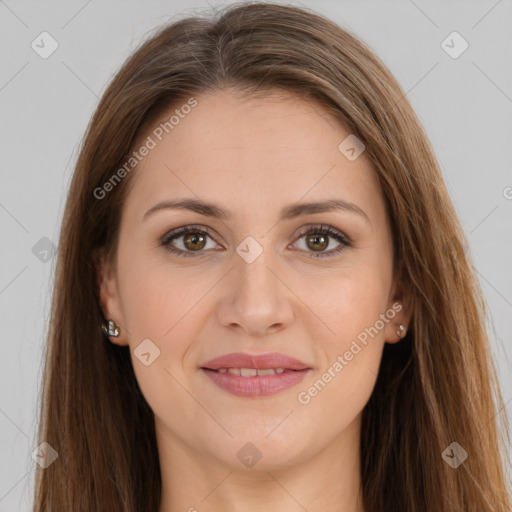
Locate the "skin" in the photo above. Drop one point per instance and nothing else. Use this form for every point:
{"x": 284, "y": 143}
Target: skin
{"x": 252, "y": 157}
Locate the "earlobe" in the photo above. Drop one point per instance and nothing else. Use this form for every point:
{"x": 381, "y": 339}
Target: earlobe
{"x": 109, "y": 299}
{"x": 399, "y": 325}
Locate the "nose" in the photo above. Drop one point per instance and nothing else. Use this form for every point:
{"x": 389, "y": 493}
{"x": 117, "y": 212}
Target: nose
{"x": 256, "y": 300}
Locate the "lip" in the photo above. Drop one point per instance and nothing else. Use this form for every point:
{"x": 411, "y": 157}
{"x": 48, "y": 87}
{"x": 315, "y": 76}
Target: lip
{"x": 258, "y": 361}
{"x": 260, "y": 385}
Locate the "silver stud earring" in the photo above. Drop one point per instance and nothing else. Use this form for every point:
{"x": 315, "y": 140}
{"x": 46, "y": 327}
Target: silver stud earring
{"x": 402, "y": 331}
{"x": 112, "y": 330}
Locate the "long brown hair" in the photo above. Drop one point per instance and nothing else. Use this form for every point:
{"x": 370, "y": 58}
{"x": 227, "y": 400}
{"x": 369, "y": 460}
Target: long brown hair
{"x": 435, "y": 387}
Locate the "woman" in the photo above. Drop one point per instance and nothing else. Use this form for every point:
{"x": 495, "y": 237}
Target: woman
{"x": 262, "y": 298}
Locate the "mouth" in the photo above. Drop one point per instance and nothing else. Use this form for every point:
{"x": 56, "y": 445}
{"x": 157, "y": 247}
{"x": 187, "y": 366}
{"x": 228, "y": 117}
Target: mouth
{"x": 253, "y": 375}
{"x": 250, "y": 372}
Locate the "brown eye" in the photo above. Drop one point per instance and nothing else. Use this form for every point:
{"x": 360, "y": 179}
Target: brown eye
{"x": 194, "y": 242}
{"x": 317, "y": 242}
{"x": 188, "y": 241}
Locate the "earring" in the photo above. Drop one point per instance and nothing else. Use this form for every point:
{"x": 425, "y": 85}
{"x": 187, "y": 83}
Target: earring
{"x": 112, "y": 330}
{"x": 401, "y": 332}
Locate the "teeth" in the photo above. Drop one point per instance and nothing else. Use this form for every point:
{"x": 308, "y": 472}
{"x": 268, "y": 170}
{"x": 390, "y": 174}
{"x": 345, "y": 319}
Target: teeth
{"x": 251, "y": 372}
{"x": 270, "y": 371}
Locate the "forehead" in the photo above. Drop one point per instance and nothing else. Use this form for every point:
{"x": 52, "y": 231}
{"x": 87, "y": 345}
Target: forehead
{"x": 254, "y": 152}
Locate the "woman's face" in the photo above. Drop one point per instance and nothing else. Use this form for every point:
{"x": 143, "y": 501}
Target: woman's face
{"x": 257, "y": 275}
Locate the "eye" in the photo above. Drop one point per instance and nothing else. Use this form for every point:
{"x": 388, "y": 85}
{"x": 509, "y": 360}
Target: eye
{"x": 317, "y": 238}
{"x": 194, "y": 240}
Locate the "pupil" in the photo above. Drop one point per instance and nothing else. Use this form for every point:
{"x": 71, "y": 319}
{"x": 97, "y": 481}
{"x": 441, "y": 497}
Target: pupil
{"x": 315, "y": 238}
{"x": 193, "y": 239}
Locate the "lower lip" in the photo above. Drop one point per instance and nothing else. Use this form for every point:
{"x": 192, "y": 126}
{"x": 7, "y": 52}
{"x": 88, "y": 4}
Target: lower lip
{"x": 256, "y": 386}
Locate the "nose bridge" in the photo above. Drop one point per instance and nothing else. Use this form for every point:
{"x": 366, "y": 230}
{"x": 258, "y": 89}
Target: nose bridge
{"x": 254, "y": 279}
{"x": 257, "y": 298}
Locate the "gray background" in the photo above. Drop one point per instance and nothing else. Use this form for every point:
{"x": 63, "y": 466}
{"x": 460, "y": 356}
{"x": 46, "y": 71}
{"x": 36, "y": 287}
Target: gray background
{"x": 465, "y": 105}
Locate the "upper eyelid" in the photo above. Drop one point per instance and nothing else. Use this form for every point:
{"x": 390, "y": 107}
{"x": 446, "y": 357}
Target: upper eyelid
{"x": 182, "y": 230}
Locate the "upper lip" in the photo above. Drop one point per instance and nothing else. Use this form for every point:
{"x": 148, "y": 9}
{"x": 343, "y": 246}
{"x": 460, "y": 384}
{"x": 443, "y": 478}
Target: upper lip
{"x": 257, "y": 361}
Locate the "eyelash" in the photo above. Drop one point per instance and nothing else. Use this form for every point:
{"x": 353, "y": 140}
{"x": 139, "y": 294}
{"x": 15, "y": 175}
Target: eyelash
{"x": 310, "y": 230}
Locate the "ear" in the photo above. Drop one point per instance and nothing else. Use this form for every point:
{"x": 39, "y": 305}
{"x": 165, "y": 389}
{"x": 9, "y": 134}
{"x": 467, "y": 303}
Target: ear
{"x": 110, "y": 302}
{"x": 401, "y": 304}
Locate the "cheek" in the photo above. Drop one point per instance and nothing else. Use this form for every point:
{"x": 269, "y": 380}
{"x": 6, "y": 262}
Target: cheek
{"x": 342, "y": 385}
{"x": 353, "y": 304}
{"x": 352, "y": 300}
{"x": 157, "y": 297}
{"x": 166, "y": 305}
{"x": 163, "y": 307}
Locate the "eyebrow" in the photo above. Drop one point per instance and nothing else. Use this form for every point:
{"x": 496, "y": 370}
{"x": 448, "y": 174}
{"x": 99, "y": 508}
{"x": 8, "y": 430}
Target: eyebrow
{"x": 289, "y": 212}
